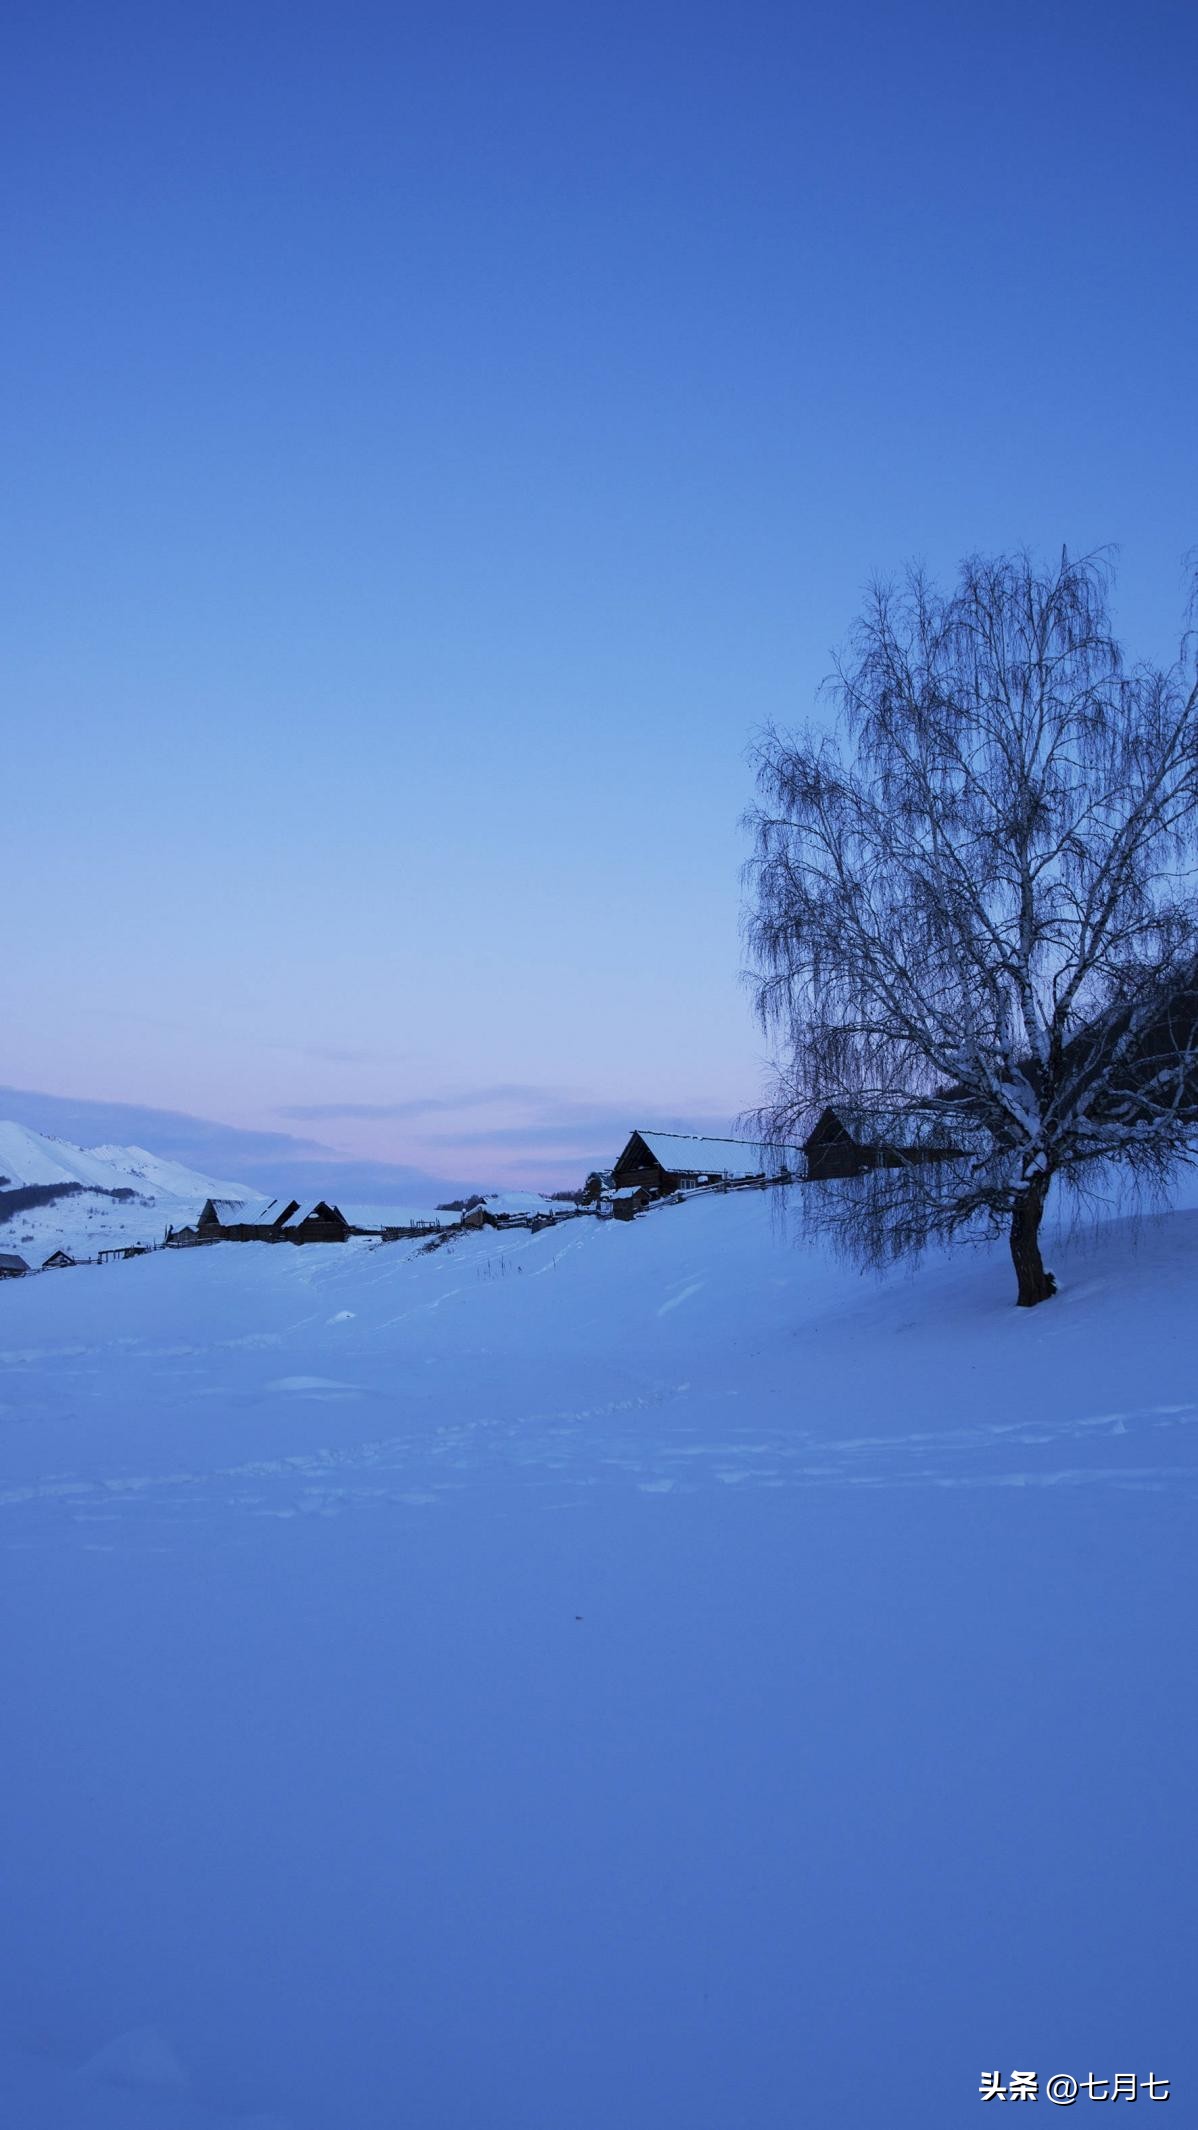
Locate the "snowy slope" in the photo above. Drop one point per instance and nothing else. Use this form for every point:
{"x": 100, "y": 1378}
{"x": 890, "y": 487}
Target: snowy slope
{"x": 165, "y": 1194}
{"x": 166, "y": 1178}
{"x": 27, "y": 1156}
{"x": 637, "y": 1674}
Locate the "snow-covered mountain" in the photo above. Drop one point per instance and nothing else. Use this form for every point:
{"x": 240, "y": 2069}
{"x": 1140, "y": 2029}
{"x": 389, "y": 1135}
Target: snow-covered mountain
{"x": 93, "y": 1198}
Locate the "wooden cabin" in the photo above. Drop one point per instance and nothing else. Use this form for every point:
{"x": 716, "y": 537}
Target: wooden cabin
{"x": 12, "y": 1266}
{"x": 1158, "y": 1062}
{"x": 478, "y": 1217}
{"x": 661, "y": 1162}
{"x": 321, "y": 1222}
{"x": 228, "y": 1220}
{"x": 218, "y": 1213}
{"x": 626, "y": 1204}
{"x": 56, "y": 1259}
{"x": 279, "y": 1221}
{"x": 850, "y": 1141}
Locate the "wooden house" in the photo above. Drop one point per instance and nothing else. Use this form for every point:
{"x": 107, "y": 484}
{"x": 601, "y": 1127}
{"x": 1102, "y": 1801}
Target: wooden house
{"x": 279, "y": 1221}
{"x": 1136, "y": 1074}
{"x": 661, "y": 1162}
{"x": 217, "y": 1214}
{"x": 12, "y": 1266}
{"x": 1126, "y": 1066}
{"x": 321, "y": 1222}
{"x": 848, "y": 1140}
{"x": 478, "y": 1217}
{"x": 225, "y": 1220}
{"x": 56, "y": 1259}
{"x": 626, "y": 1204}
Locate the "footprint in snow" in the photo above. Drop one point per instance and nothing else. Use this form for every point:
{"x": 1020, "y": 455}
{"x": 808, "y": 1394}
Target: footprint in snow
{"x": 683, "y": 1297}
{"x": 315, "y": 1386}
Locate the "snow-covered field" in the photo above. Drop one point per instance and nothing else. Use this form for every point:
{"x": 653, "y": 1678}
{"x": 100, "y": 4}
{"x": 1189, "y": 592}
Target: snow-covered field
{"x": 638, "y": 1677}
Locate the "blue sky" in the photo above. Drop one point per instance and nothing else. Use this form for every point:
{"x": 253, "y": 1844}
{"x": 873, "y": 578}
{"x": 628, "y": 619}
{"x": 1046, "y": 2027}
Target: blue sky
{"x": 435, "y": 441}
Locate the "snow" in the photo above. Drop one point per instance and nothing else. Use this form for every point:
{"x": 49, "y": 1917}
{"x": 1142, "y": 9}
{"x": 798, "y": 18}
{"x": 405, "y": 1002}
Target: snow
{"x": 248, "y": 1212}
{"x": 523, "y": 1202}
{"x": 635, "y": 1674}
{"x": 29, "y": 1157}
{"x": 170, "y": 1179}
{"x": 683, "y": 1153}
{"x": 877, "y": 1124}
{"x": 373, "y": 1216}
{"x": 166, "y": 1194}
{"x": 33, "y": 1157}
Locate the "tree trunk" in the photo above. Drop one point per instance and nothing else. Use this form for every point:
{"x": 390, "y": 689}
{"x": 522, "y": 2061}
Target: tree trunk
{"x": 1035, "y": 1284}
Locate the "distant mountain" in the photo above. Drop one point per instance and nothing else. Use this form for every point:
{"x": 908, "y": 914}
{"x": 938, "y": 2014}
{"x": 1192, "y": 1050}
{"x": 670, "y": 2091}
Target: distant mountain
{"x": 27, "y": 1156}
{"x": 54, "y": 1195}
{"x": 266, "y": 1162}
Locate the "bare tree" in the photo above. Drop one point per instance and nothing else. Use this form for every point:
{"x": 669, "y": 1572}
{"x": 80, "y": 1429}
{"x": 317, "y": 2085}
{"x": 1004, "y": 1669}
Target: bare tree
{"x": 975, "y": 906}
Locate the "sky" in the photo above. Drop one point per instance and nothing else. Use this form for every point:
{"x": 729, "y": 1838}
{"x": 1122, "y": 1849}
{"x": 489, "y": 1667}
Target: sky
{"x": 436, "y": 442}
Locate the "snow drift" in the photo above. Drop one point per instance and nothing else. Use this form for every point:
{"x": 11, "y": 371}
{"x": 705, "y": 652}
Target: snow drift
{"x": 633, "y": 1674}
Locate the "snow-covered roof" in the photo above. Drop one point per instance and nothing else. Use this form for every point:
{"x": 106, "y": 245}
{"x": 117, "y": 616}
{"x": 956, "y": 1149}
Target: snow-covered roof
{"x": 360, "y": 1216}
{"x": 517, "y": 1202}
{"x": 246, "y": 1212}
{"x": 685, "y": 1154}
{"x": 880, "y": 1126}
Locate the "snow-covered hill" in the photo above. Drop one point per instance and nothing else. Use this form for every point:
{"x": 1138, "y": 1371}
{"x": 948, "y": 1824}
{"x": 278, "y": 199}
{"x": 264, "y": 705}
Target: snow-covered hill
{"x": 86, "y": 1216}
{"x": 155, "y": 1193}
{"x": 634, "y": 1674}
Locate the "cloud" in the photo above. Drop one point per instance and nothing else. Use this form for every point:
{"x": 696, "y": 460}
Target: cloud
{"x": 329, "y": 1054}
{"x": 561, "y": 1137}
{"x": 577, "y": 1124}
{"x": 414, "y": 1106}
{"x": 566, "y": 1136}
{"x": 195, "y": 1140}
{"x": 590, "y": 1131}
{"x": 269, "y": 1161}
{"x": 358, "y": 1182}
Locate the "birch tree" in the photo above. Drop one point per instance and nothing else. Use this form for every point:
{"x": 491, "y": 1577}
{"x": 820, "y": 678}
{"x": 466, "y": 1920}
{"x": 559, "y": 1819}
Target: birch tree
{"x": 974, "y": 903}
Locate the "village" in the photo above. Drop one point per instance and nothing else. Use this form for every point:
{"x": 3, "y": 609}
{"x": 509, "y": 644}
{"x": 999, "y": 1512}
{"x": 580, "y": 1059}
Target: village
{"x": 654, "y": 1169}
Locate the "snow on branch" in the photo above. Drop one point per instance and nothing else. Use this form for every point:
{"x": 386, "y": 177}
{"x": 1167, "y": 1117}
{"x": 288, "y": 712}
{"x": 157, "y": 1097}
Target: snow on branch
{"x": 976, "y": 899}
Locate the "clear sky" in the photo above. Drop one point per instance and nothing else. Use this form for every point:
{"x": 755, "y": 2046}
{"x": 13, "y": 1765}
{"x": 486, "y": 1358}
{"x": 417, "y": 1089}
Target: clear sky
{"x": 435, "y": 440}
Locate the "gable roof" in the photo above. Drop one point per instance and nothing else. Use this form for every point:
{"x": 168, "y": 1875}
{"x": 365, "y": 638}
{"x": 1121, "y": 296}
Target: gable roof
{"x": 318, "y": 1209}
{"x": 687, "y": 1154}
{"x": 273, "y": 1213}
{"x": 864, "y": 1125}
{"x": 10, "y": 1262}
